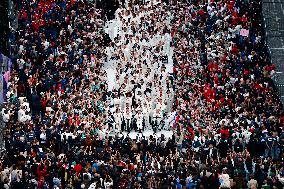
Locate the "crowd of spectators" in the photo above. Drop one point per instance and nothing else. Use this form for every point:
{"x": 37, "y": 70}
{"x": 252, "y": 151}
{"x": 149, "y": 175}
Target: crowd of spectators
{"x": 228, "y": 123}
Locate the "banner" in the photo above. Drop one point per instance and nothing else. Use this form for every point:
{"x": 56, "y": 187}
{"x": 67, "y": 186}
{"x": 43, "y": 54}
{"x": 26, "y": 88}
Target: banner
{"x": 5, "y": 70}
{"x": 244, "y": 32}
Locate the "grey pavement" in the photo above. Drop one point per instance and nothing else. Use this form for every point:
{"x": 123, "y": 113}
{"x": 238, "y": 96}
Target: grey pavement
{"x": 273, "y": 13}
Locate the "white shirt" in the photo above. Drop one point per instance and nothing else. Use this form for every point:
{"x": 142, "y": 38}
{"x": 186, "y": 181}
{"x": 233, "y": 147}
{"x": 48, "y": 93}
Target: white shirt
{"x": 42, "y": 136}
{"x": 6, "y": 118}
{"x": 21, "y": 113}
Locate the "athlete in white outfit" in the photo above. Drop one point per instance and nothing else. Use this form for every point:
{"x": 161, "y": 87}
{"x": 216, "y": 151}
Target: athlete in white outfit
{"x": 118, "y": 117}
{"x": 157, "y": 117}
{"x": 139, "y": 120}
{"x": 138, "y": 63}
{"x": 127, "y": 115}
{"x": 146, "y": 114}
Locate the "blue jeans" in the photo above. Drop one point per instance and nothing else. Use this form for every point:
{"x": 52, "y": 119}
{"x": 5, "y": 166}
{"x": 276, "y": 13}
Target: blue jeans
{"x": 179, "y": 147}
{"x": 273, "y": 152}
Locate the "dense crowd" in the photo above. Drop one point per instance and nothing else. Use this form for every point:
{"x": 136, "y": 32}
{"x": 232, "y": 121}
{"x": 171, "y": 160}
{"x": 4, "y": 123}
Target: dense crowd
{"x": 65, "y": 128}
{"x": 139, "y": 54}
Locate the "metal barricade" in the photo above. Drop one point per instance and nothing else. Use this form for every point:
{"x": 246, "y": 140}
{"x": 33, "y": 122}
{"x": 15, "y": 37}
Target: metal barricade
{"x": 273, "y": 22}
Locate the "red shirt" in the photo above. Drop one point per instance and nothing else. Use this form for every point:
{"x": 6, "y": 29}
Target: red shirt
{"x": 225, "y": 132}
{"x": 235, "y": 50}
{"x": 35, "y": 25}
{"x": 78, "y": 168}
{"x": 43, "y": 103}
{"x": 191, "y": 136}
{"x": 70, "y": 121}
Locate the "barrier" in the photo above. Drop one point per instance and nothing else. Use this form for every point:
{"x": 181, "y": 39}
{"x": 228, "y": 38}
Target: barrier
{"x": 273, "y": 22}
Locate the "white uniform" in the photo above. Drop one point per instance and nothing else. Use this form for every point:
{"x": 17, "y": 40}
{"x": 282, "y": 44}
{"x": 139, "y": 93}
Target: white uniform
{"x": 146, "y": 113}
{"x": 127, "y": 118}
{"x": 116, "y": 102}
{"x": 157, "y": 117}
{"x": 139, "y": 120}
{"x": 128, "y": 100}
{"x": 118, "y": 120}
{"x": 133, "y": 56}
{"x": 122, "y": 99}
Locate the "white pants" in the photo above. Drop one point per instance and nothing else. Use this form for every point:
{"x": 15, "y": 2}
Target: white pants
{"x": 157, "y": 120}
{"x": 147, "y": 120}
{"x": 139, "y": 124}
{"x": 118, "y": 125}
